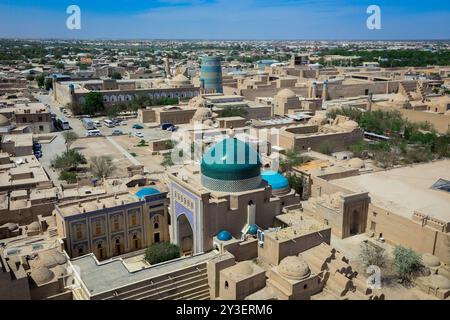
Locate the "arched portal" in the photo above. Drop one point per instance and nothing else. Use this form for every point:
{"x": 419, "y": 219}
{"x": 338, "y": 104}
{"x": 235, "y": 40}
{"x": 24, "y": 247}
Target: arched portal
{"x": 185, "y": 235}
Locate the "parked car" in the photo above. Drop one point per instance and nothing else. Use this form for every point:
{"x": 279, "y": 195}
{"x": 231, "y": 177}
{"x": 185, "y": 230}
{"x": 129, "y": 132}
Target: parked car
{"x": 93, "y": 133}
{"x": 123, "y": 123}
{"x": 117, "y": 133}
{"x": 139, "y": 134}
{"x": 138, "y": 126}
{"x": 166, "y": 126}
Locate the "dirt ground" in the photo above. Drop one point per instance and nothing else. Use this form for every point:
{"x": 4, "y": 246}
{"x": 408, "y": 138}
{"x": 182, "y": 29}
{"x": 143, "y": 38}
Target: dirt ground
{"x": 143, "y": 154}
{"x": 98, "y": 146}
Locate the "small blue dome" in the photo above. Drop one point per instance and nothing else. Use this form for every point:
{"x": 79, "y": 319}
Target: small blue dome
{"x": 224, "y": 235}
{"x": 145, "y": 192}
{"x": 253, "y": 230}
{"x": 276, "y": 180}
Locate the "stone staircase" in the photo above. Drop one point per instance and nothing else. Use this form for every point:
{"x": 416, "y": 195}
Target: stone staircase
{"x": 188, "y": 284}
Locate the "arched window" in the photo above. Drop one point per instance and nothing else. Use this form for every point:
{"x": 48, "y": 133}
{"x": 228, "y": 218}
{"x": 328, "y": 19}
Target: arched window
{"x": 156, "y": 225}
{"x": 226, "y": 285}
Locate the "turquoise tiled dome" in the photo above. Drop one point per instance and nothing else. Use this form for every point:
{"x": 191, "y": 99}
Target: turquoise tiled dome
{"x": 224, "y": 235}
{"x": 276, "y": 180}
{"x": 253, "y": 229}
{"x": 231, "y": 159}
{"x": 145, "y": 192}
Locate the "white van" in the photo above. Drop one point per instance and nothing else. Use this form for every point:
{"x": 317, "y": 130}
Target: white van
{"x": 93, "y": 133}
{"x": 109, "y": 123}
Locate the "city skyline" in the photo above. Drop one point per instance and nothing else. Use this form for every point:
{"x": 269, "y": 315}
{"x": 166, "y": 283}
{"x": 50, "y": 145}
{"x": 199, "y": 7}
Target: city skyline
{"x": 224, "y": 19}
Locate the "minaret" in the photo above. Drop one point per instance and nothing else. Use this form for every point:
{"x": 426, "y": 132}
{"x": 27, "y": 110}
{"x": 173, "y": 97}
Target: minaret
{"x": 314, "y": 90}
{"x": 325, "y": 91}
{"x": 167, "y": 68}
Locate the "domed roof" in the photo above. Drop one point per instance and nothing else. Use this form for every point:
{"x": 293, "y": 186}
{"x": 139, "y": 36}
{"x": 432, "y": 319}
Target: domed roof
{"x": 439, "y": 281}
{"x": 181, "y": 78}
{"x": 224, "y": 235}
{"x": 286, "y": 93}
{"x": 253, "y": 230}
{"x": 294, "y": 267}
{"x": 276, "y": 180}
{"x": 145, "y": 192}
{"x": 4, "y": 121}
{"x": 244, "y": 268}
{"x": 42, "y": 275}
{"x": 356, "y": 163}
{"x": 49, "y": 259}
{"x": 231, "y": 159}
{"x": 430, "y": 261}
{"x": 11, "y": 226}
{"x": 202, "y": 114}
{"x": 60, "y": 271}
{"x": 34, "y": 226}
{"x": 350, "y": 125}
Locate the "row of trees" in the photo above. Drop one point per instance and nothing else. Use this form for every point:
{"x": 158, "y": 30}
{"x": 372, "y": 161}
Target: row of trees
{"x": 94, "y": 105}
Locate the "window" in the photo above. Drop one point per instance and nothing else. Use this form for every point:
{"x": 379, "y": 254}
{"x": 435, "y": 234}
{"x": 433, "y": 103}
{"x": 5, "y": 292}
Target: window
{"x": 79, "y": 232}
{"x": 373, "y": 226}
{"x": 98, "y": 228}
{"x": 80, "y": 251}
{"x": 226, "y": 285}
{"x": 374, "y": 214}
{"x": 24, "y": 119}
{"x": 41, "y": 128}
{"x": 133, "y": 219}
{"x": 156, "y": 238}
{"x": 116, "y": 223}
{"x": 40, "y": 119}
{"x": 156, "y": 226}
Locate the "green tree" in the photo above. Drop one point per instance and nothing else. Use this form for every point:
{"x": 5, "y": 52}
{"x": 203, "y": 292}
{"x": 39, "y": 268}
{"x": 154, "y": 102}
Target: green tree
{"x": 93, "y": 103}
{"x": 70, "y": 159}
{"x": 116, "y": 76}
{"x": 102, "y": 166}
{"x": 69, "y": 177}
{"x": 291, "y": 159}
{"x": 296, "y": 183}
{"x": 167, "y": 160}
{"x": 161, "y": 252}
{"x": 407, "y": 263}
{"x": 40, "y": 79}
{"x": 48, "y": 84}
{"x": 372, "y": 255}
{"x": 113, "y": 112}
{"x": 69, "y": 138}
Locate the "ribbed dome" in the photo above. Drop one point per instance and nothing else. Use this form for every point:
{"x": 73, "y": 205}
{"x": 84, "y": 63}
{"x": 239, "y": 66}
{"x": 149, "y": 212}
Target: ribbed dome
{"x": 286, "y": 93}
{"x": 294, "y": 268}
{"x": 231, "y": 159}
{"x": 49, "y": 259}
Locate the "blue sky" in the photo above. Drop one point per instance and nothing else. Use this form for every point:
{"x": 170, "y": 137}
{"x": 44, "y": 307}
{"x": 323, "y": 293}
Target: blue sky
{"x": 226, "y": 19}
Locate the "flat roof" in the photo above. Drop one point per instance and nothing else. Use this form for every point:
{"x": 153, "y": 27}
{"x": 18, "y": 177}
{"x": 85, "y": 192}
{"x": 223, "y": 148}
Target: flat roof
{"x": 114, "y": 274}
{"x": 405, "y": 190}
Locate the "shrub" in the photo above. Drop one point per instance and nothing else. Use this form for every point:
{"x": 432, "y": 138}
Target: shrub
{"x": 161, "y": 252}
{"x": 407, "y": 262}
{"x": 372, "y": 255}
{"x": 69, "y": 177}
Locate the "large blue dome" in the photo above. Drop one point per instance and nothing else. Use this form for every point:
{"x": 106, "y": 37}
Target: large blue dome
{"x": 276, "y": 180}
{"x": 145, "y": 192}
{"x": 231, "y": 159}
